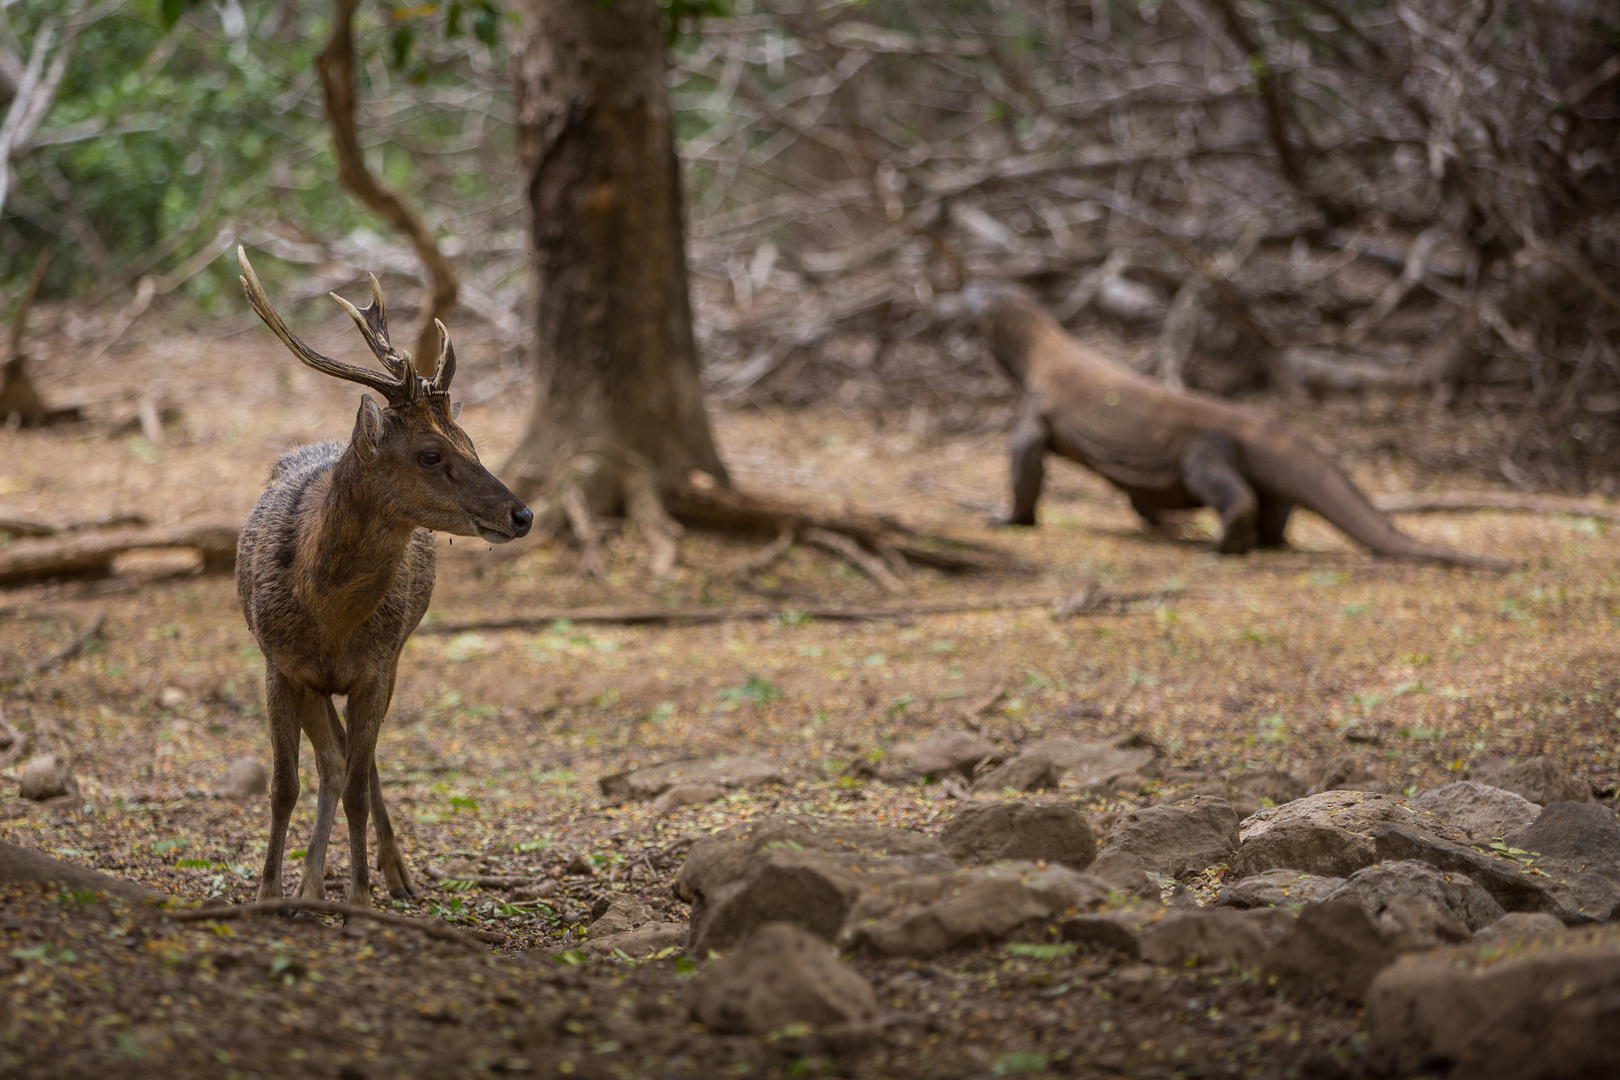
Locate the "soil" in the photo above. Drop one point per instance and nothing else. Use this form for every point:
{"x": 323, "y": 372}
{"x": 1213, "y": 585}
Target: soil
{"x": 497, "y": 738}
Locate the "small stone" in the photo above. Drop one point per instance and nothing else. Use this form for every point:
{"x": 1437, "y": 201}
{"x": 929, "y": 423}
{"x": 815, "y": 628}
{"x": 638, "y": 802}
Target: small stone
{"x": 1274, "y": 784}
{"x": 1203, "y": 935}
{"x": 538, "y": 891}
{"x": 1038, "y": 829}
{"x": 1349, "y": 772}
{"x": 1124, "y": 872}
{"x": 1243, "y": 803}
{"x": 687, "y": 795}
{"x": 782, "y": 975}
{"x": 1029, "y": 771}
{"x": 1458, "y": 908}
{"x": 1483, "y": 812}
{"x": 579, "y": 865}
{"x": 646, "y": 940}
{"x": 245, "y": 779}
{"x": 47, "y": 777}
{"x": 1538, "y": 780}
{"x": 730, "y": 773}
{"x": 623, "y": 914}
{"x": 1092, "y": 763}
{"x": 1177, "y": 839}
{"x": 1329, "y": 834}
{"x": 1518, "y": 926}
{"x": 172, "y": 697}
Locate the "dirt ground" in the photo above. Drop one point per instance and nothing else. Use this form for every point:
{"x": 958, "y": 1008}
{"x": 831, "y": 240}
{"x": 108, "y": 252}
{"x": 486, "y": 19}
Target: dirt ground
{"x": 497, "y": 738}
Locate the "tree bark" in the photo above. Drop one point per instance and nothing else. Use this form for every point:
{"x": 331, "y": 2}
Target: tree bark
{"x": 619, "y": 415}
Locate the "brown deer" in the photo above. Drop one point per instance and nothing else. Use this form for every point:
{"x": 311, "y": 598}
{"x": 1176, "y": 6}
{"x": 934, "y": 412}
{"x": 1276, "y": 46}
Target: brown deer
{"x": 334, "y": 569}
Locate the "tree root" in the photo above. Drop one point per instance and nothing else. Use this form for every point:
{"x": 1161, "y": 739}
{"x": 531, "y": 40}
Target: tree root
{"x": 326, "y": 907}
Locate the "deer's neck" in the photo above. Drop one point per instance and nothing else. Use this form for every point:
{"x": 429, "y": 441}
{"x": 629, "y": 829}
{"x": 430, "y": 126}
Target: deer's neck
{"x": 351, "y": 550}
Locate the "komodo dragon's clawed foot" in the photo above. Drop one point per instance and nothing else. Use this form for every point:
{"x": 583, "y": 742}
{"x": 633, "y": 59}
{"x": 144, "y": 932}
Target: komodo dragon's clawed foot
{"x": 1008, "y": 521}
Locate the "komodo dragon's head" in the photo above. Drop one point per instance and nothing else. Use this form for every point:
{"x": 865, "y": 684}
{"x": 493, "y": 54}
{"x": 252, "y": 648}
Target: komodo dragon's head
{"x": 1010, "y": 322}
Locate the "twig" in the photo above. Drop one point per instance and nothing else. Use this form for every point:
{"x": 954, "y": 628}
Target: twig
{"x": 326, "y": 907}
{"x": 1091, "y": 600}
{"x": 72, "y": 648}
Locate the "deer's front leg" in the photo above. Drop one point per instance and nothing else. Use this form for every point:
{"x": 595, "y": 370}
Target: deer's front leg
{"x": 281, "y": 705}
{"x": 366, "y": 708}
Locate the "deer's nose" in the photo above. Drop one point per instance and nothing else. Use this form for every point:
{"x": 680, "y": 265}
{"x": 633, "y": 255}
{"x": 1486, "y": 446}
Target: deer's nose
{"x": 522, "y": 518}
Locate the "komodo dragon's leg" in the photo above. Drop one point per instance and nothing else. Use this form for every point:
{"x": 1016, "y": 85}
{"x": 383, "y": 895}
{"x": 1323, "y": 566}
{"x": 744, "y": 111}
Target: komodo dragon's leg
{"x": 1149, "y": 513}
{"x": 1209, "y": 470}
{"x": 1027, "y": 449}
{"x": 1272, "y": 523}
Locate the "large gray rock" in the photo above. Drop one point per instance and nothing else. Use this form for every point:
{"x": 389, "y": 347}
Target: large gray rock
{"x": 1329, "y": 834}
{"x": 1037, "y": 829}
{"x": 1547, "y": 1009}
{"x": 1030, "y": 771}
{"x": 926, "y": 915}
{"x": 1538, "y": 780}
{"x": 1504, "y": 878}
{"x": 1577, "y": 845}
{"x": 1243, "y": 803}
{"x": 1519, "y": 926}
{"x": 1334, "y": 948}
{"x": 47, "y": 777}
{"x": 782, "y": 975}
{"x": 1483, "y": 812}
{"x": 1175, "y": 936}
{"x": 943, "y": 753}
{"x": 1277, "y": 888}
{"x": 1175, "y": 840}
{"x": 793, "y": 868}
{"x": 1462, "y": 905}
{"x": 641, "y": 785}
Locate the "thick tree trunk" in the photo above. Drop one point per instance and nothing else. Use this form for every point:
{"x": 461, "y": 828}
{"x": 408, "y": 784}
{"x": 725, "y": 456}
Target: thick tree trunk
{"x": 619, "y": 418}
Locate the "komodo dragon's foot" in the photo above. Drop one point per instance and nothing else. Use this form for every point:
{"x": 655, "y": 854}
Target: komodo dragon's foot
{"x": 1006, "y": 521}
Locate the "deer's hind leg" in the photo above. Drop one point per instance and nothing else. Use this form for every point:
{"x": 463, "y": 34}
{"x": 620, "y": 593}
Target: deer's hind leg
{"x": 319, "y": 721}
{"x": 390, "y": 859}
{"x": 282, "y": 700}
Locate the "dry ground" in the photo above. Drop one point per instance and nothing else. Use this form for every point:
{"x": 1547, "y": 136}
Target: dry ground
{"x": 496, "y": 739}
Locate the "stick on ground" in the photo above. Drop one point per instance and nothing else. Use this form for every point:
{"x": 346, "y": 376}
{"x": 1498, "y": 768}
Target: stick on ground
{"x": 326, "y": 907}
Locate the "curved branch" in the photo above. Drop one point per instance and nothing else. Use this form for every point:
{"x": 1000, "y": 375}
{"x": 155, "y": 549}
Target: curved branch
{"x": 336, "y": 67}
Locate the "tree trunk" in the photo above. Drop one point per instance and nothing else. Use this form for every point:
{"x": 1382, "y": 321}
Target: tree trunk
{"x": 619, "y": 417}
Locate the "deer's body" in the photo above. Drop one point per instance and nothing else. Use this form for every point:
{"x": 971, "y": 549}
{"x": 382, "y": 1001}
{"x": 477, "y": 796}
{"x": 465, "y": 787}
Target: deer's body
{"x": 335, "y": 569}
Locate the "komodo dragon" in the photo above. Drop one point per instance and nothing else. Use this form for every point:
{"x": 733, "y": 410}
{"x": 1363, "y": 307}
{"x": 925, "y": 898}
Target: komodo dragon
{"x": 1169, "y": 450}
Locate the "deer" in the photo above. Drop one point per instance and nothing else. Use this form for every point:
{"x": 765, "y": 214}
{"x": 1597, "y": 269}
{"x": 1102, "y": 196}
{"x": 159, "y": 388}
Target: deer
{"x": 334, "y": 570}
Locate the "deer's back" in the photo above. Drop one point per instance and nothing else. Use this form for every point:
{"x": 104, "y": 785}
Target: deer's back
{"x": 291, "y": 634}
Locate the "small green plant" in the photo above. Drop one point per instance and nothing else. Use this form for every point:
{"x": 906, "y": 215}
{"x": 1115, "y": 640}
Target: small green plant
{"x": 1046, "y": 950}
{"x": 755, "y": 689}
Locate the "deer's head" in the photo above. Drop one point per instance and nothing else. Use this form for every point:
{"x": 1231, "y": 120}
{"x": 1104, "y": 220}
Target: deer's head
{"x": 413, "y": 454}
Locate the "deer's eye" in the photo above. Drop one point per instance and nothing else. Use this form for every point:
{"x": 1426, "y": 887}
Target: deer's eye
{"x": 428, "y": 458}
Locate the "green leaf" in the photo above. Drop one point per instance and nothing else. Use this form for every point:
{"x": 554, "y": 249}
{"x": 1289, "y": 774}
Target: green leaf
{"x": 399, "y": 46}
{"x": 1040, "y": 951}
{"x": 170, "y": 11}
{"x": 487, "y": 24}
{"x": 452, "y": 20}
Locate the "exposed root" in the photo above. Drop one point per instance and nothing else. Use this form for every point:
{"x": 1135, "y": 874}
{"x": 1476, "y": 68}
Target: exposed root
{"x": 847, "y": 549}
{"x": 765, "y": 557}
{"x": 645, "y": 508}
{"x": 583, "y": 525}
{"x": 326, "y": 907}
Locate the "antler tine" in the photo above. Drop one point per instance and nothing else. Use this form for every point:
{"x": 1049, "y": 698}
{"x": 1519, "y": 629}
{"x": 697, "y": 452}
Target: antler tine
{"x": 445, "y": 369}
{"x": 372, "y": 322}
{"x": 397, "y": 392}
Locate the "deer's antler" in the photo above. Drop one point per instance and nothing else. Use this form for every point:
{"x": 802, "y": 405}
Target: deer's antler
{"x": 399, "y": 391}
{"x": 445, "y": 369}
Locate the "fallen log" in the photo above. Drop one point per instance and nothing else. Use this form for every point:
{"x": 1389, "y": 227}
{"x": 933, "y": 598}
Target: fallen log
{"x": 91, "y": 554}
{"x": 20, "y": 865}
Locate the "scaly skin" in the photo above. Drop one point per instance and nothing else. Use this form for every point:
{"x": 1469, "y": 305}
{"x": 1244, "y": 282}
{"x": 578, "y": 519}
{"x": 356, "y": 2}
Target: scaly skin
{"x": 1170, "y": 450}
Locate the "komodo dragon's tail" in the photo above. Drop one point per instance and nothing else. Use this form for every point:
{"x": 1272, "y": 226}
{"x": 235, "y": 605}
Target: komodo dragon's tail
{"x": 1290, "y": 466}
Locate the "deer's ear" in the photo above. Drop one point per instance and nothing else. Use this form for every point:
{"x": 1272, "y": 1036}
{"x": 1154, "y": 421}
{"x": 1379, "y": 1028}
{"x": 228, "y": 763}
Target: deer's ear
{"x": 368, "y": 427}
{"x": 455, "y": 410}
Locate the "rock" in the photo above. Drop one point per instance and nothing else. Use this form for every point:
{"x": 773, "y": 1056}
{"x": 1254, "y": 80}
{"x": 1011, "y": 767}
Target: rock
{"x": 782, "y": 975}
{"x": 1577, "y": 845}
{"x": 1038, "y": 829}
{"x": 1335, "y": 947}
{"x": 1463, "y": 906}
{"x": 1538, "y": 780}
{"x": 1125, "y": 873}
{"x": 1547, "y": 1009}
{"x": 245, "y": 779}
{"x": 1329, "y": 834}
{"x": 20, "y": 864}
{"x": 1176, "y": 839}
{"x": 1587, "y": 831}
{"x": 793, "y": 868}
{"x": 943, "y": 753}
{"x": 1277, "y": 888}
{"x": 686, "y": 795}
{"x": 646, "y": 940}
{"x": 1093, "y": 764}
{"x": 1518, "y": 926}
{"x": 1349, "y": 772}
{"x": 1243, "y": 803}
{"x": 1479, "y": 810}
{"x": 623, "y": 915}
{"x": 1203, "y": 935}
{"x": 47, "y": 777}
{"x": 927, "y": 915}
{"x": 1508, "y": 885}
{"x": 640, "y": 785}
{"x": 540, "y": 890}
{"x": 172, "y": 697}
{"x": 1273, "y": 784}
{"x": 1029, "y": 771}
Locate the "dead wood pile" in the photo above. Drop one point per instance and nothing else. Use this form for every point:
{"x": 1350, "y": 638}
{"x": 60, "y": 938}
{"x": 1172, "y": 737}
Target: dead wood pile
{"x": 1390, "y": 195}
